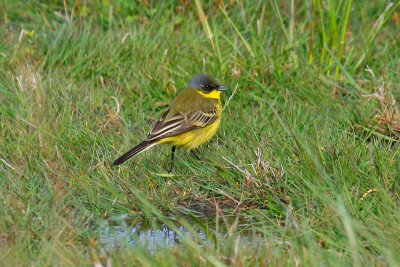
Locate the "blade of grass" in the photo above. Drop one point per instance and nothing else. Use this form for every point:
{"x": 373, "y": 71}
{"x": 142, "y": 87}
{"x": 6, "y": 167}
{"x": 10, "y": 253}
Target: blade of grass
{"x": 343, "y": 37}
{"x": 389, "y": 10}
{"x": 274, "y": 5}
{"x": 344, "y": 71}
{"x": 206, "y": 26}
{"x": 244, "y": 41}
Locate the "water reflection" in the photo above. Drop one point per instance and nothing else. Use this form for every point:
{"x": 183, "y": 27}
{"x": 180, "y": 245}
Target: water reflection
{"x": 126, "y": 233}
{"x": 113, "y": 237}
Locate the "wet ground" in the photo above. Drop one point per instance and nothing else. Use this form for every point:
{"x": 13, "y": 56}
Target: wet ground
{"x": 122, "y": 234}
{"x": 151, "y": 239}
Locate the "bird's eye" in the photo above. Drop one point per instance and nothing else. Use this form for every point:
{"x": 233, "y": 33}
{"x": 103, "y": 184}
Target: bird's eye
{"x": 207, "y": 86}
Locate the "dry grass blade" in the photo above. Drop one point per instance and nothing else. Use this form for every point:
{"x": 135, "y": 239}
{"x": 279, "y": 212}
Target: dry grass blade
{"x": 245, "y": 172}
{"x": 388, "y": 117}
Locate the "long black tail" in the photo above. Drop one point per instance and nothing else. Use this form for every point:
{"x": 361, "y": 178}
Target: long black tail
{"x": 134, "y": 151}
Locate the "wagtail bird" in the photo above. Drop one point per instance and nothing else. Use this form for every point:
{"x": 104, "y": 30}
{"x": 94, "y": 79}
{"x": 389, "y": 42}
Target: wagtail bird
{"x": 190, "y": 121}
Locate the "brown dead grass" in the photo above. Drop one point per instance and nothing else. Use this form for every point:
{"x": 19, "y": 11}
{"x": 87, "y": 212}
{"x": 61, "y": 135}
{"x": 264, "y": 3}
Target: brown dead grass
{"x": 387, "y": 119}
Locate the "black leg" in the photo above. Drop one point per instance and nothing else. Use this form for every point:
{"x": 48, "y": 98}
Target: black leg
{"x": 195, "y": 154}
{"x": 172, "y": 159}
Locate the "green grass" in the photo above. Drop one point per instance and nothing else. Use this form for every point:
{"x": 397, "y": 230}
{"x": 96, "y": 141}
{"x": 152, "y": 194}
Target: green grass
{"x": 305, "y": 165}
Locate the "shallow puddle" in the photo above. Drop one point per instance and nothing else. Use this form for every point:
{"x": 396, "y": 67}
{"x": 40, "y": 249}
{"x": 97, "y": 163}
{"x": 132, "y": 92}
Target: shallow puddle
{"x": 113, "y": 236}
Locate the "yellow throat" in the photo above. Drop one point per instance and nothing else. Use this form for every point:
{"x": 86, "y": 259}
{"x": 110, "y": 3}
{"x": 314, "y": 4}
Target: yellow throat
{"x": 213, "y": 94}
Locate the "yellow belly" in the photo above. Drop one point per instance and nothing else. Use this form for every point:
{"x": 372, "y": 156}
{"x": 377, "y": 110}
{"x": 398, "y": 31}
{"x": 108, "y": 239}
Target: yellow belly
{"x": 192, "y": 139}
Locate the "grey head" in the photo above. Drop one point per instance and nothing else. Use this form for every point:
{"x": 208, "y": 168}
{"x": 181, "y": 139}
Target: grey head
{"x": 206, "y": 83}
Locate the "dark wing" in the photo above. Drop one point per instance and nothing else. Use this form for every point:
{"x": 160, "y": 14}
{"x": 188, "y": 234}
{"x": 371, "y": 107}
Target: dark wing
{"x": 180, "y": 123}
{"x": 159, "y": 123}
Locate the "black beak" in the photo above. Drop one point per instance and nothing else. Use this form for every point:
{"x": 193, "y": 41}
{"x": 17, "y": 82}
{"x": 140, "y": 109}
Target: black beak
{"x": 222, "y": 87}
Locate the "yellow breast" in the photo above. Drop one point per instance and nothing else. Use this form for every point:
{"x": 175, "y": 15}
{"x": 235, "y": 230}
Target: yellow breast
{"x": 192, "y": 139}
